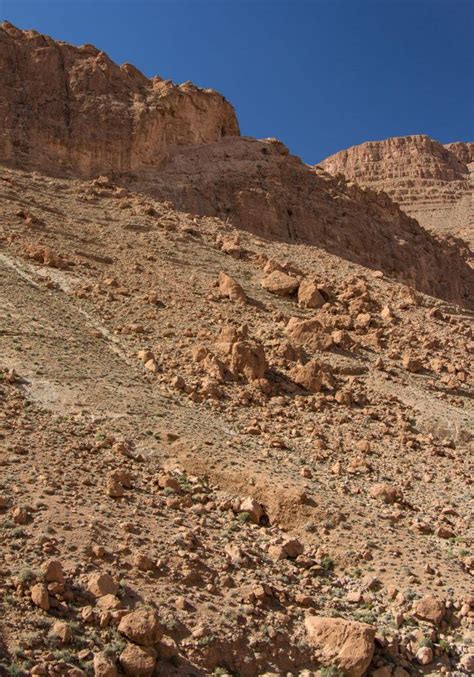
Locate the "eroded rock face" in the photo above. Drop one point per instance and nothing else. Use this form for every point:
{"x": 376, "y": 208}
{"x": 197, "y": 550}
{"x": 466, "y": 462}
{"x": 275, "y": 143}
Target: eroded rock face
{"x": 259, "y": 187}
{"x": 72, "y": 109}
{"x": 430, "y": 181}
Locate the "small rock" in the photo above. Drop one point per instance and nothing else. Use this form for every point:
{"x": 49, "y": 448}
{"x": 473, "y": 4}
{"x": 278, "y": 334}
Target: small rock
{"x": 467, "y": 663}
{"x": 386, "y": 493}
{"x": 293, "y": 548}
{"x": 254, "y": 509}
{"x": 411, "y": 363}
{"x": 63, "y": 631}
{"x": 53, "y": 571}
{"x": 424, "y": 655}
{"x": 230, "y": 288}
{"x": 309, "y": 295}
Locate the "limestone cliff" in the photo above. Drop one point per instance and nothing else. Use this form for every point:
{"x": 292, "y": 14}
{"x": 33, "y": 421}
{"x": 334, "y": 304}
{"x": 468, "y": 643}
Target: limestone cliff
{"x": 67, "y": 109}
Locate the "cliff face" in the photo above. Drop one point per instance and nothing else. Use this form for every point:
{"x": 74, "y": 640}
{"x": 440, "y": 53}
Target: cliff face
{"x": 430, "y": 181}
{"x": 68, "y": 109}
{"x": 259, "y": 187}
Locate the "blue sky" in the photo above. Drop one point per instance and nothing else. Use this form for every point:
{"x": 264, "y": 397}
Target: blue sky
{"x": 320, "y": 75}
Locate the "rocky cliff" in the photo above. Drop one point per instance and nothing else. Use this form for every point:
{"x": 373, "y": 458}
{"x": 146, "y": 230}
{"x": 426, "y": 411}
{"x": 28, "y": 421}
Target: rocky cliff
{"x": 430, "y": 181}
{"x": 71, "y": 109}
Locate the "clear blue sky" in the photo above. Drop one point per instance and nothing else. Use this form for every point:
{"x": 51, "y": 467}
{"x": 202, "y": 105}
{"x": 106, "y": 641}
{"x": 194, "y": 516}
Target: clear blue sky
{"x": 321, "y": 75}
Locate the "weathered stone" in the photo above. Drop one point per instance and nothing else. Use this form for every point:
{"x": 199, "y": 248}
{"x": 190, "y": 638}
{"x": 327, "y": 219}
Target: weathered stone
{"x": 309, "y": 296}
{"x": 40, "y": 596}
{"x": 280, "y": 283}
{"x": 430, "y": 608}
{"x": 102, "y": 584}
{"x": 104, "y": 665}
{"x": 348, "y": 645}
{"x": 230, "y": 288}
{"x": 142, "y": 627}
{"x": 138, "y": 661}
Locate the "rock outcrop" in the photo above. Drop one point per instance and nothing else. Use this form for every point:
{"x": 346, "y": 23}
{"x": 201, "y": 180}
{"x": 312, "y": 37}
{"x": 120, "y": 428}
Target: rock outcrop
{"x": 431, "y": 182}
{"x": 67, "y": 109}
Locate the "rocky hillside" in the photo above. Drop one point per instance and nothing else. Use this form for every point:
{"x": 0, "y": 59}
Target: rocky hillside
{"x": 222, "y": 454}
{"x": 71, "y": 109}
{"x": 235, "y": 433}
{"x": 431, "y": 182}
{"x": 259, "y": 186}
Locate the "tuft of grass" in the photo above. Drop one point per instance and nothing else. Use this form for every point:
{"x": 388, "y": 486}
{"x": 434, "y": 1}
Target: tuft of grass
{"x": 426, "y": 641}
{"x": 327, "y": 563}
{"x": 115, "y": 646}
{"x": 18, "y": 532}
{"x": 331, "y": 671}
{"x": 444, "y": 646}
{"x": 243, "y": 517}
{"x": 12, "y": 669}
{"x": 26, "y": 575}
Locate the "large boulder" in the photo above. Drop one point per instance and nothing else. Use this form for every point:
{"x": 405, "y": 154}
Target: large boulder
{"x": 348, "y": 645}
{"x": 142, "y": 627}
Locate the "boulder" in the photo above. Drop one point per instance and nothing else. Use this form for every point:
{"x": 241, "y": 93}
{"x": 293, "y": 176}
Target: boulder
{"x": 231, "y": 289}
{"x": 40, "y": 596}
{"x": 102, "y": 584}
{"x": 142, "y": 627}
{"x": 313, "y": 376}
{"x": 248, "y": 359}
{"x": 309, "y": 295}
{"x": 278, "y": 282}
{"x": 53, "y": 571}
{"x": 348, "y": 645}
{"x": 138, "y": 661}
{"x": 310, "y": 333}
{"x": 104, "y": 665}
{"x": 430, "y": 608}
